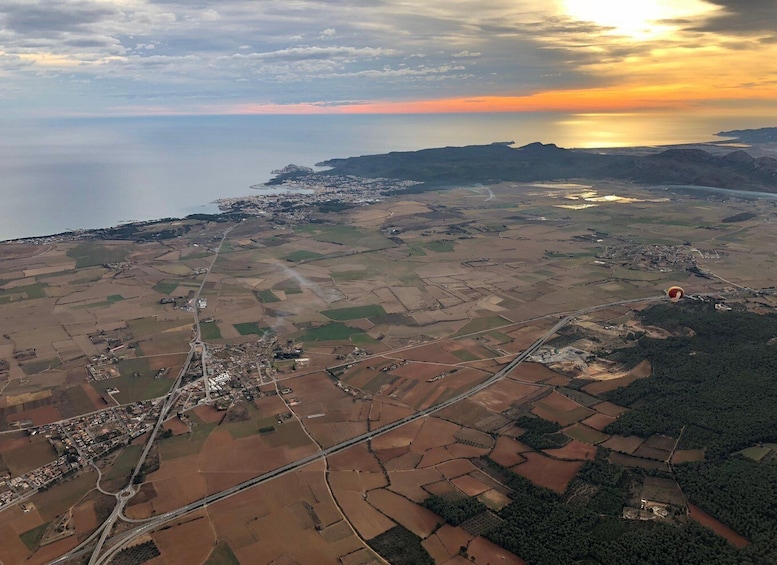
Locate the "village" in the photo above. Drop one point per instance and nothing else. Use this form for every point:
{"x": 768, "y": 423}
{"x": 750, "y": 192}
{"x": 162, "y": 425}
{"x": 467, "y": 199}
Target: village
{"x": 297, "y": 197}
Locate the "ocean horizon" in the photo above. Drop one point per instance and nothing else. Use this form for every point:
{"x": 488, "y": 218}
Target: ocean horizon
{"x": 86, "y": 173}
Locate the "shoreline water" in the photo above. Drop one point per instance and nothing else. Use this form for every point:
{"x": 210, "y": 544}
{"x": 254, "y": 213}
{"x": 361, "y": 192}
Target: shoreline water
{"x": 99, "y": 172}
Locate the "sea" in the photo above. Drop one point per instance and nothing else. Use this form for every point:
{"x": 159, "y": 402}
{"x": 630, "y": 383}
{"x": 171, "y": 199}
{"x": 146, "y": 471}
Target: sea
{"x": 58, "y": 175}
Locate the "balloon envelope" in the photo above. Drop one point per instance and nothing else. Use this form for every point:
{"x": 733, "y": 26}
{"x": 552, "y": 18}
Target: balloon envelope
{"x": 675, "y": 293}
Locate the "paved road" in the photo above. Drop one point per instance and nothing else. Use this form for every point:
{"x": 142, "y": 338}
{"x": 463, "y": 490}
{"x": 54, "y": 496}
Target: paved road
{"x": 169, "y": 400}
{"x": 119, "y": 541}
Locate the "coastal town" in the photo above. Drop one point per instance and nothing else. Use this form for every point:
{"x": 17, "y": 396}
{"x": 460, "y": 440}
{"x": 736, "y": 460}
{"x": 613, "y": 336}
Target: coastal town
{"x": 301, "y": 191}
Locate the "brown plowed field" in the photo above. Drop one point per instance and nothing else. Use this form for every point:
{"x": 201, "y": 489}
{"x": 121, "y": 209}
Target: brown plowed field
{"x": 39, "y": 416}
{"x": 507, "y": 451}
{"x": 560, "y": 409}
{"x": 461, "y": 451}
{"x": 434, "y": 433}
{"x": 176, "y": 426}
{"x": 469, "y": 485}
{"x": 436, "y": 549}
{"x": 453, "y": 538}
{"x": 405, "y": 462}
{"x": 356, "y": 481}
{"x": 575, "y": 450}
{"x": 433, "y": 457}
{"x": 547, "y": 472}
{"x": 357, "y": 457}
{"x": 51, "y": 551}
{"x": 84, "y": 519}
{"x": 470, "y": 413}
{"x": 333, "y": 433}
{"x": 367, "y": 521}
{"x": 456, "y": 468}
{"x": 386, "y": 455}
{"x": 399, "y": 437}
{"x": 503, "y": 394}
{"x": 482, "y": 552}
{"x": 389, "y": 412}
{"x": 433, "y": 353}
{"x": 688, "y": 455}
{"x": 609, "y": 408}
{"x": 216, "y": 482}
{"x": 420, "y": 371}
{"x": 208, "y": 414}
{"x": 418, "y": 520}
{"x": 191, "y": 542}
{"x": 409, "y": 483}
{"x": 532, "y": 372}
{"x": 12, "y": 550}
{"x": 440, "y": 488}
{"x": 623, "y": 444}
{"x": 598, "y": 421}
{"x": 717, "y": 526}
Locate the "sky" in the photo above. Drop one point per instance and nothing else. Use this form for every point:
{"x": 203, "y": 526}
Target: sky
{"x": 168, "y": 57}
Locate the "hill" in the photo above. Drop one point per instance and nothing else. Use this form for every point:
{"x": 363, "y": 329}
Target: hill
{"x": 440, "y": 167}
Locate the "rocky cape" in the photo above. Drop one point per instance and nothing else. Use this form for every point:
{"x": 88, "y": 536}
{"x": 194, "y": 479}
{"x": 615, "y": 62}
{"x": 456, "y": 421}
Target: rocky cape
{"x": 498, "y": 162}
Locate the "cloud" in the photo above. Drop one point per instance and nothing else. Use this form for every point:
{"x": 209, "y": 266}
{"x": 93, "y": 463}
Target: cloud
{"x": 327, "y": 52}
{"x": 742, "y": 17}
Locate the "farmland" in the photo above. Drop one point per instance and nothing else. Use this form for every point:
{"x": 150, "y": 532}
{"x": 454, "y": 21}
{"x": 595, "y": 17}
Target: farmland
{"x": 317, "y": 332}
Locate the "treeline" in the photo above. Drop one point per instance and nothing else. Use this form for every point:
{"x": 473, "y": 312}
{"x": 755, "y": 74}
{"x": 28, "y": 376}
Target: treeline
{"x": 540, "y": 433}
{"x": 741, "y": 493}
{"x": 717, "y": 381}
{"x": 400, "y": 546}
{"x": 454, "y": 511}
{"x": 542, "y": 529}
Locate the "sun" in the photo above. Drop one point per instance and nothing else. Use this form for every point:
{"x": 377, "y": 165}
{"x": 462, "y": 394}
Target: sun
{"x": 646, "y": 19}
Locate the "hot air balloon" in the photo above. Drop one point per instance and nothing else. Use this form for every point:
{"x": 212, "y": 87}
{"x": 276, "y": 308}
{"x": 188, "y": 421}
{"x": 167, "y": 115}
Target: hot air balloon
{"x": 675, "y": 293}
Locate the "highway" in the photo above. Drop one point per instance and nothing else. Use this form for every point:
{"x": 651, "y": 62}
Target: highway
{"x": 129, "y": 491}
{"x": 118, "y": 542}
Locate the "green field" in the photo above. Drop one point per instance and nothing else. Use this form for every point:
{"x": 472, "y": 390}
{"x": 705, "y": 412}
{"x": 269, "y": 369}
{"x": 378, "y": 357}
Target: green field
{"x": 333, "y": 331}
{"x": 89, "y": 254}
{"x": 165, "y": 286}
{"x": 40, "y": 365}
{"x": 30, "y": 291}
{"x": 247, "y": 328}
{"x": 756, "y": 453}
{"x": 465, "y": 355}
{"x": 302, "y": 255}
{"x": 31, "y": 538}
{"x": 266, "y": 296}
{"x": 482, "y": 324}
{"x": 23, "y": 459}
{"x": 585, "y": 434}
{"x": 354, "y": 312}
{"x": 346, "y": 236}
{"x": 81, "y": 402}
{"x": 128, "y": 367}
{"x": 363, "y": 339}
{"x": 210, "y": 330}
{"x": 133, "y": 389}
{"x": 222, "y": 555}
{"x": 356, "y": 275}
{"x": 440, "y": 246}
{"x": 125, "y": 462}
{"x": 187, "y": 444}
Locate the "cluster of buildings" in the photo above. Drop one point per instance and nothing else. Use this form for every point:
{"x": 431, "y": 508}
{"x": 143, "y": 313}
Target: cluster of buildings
{"x": 79, "y": 441}
{"x": 661, "y": 258}
{"x": 291, "y": 201}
